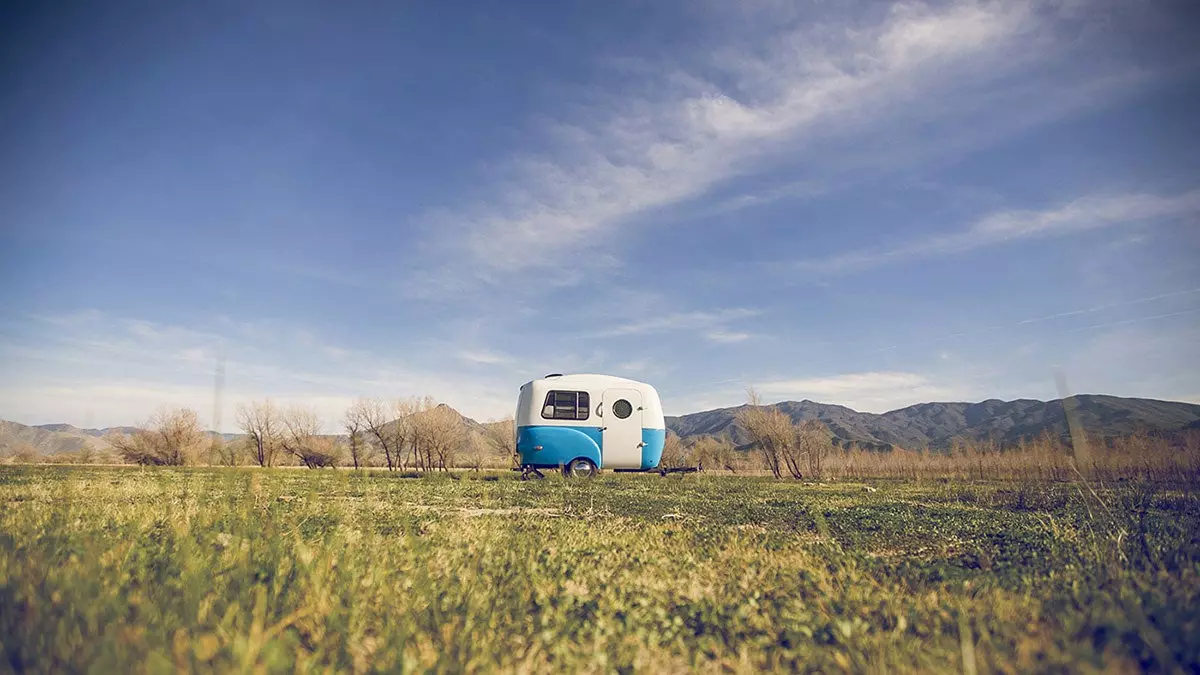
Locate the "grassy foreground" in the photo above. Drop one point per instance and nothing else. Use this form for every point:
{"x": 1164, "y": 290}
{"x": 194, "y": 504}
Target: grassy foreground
{"x": 159, "y": 570}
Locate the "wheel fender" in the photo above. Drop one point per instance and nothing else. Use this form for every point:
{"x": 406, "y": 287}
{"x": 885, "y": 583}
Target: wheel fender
{"x": 560, "y": 445}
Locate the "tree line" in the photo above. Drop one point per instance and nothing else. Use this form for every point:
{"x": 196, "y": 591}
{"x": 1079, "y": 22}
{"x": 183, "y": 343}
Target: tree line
{"x": 410, "y": 434}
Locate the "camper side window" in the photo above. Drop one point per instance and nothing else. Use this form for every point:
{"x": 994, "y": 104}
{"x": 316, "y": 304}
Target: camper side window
{"x": 566, "y": 405}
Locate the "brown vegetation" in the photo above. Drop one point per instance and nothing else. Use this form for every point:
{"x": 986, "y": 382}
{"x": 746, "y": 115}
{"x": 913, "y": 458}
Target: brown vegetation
{"x": 437, "y": 435}
{"x": 358, "y": 447}
{"x": 712, "y": 453}
{"x": 262, "y": 426}
{"x": 770, "y": 431}
{"x": 1048, "y": 458}
{"x": 169, "y": 438}
{"x": 223, "y": 454}
{"x": 302, "y": 439}
{"x": 675, "y": 454}
{"x": 378, "y": 423}
{"x": 801, "y": 449}
{"x": 502, "y": 437}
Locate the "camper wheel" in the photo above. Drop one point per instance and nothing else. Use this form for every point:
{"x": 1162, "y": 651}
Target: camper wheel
{"x": 580, "y": 467}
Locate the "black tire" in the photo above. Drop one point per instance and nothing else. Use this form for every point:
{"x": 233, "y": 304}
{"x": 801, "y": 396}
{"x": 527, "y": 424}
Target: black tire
{"x": 580, "y": 467}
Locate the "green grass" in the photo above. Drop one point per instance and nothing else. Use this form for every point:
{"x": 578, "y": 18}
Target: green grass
{"x": 155, "y": 570}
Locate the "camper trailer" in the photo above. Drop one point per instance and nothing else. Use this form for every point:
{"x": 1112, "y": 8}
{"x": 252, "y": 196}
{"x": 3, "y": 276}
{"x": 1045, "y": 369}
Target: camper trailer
{"x": 584, "y": 423}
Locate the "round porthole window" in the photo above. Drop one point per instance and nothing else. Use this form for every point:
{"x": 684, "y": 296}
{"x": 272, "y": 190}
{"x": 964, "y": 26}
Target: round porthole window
{"x": 622, "y": 409}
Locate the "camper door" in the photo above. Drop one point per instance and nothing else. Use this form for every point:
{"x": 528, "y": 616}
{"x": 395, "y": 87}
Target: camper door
{"x": 622, "y": 424}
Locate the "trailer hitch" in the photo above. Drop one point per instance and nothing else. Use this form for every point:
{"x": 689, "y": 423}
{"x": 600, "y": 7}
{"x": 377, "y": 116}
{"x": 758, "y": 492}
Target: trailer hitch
{"x": 529, "y": 471}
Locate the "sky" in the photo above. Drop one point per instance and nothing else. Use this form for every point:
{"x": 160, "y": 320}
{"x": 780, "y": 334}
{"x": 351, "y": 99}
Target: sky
{"x": 860, "y": 203}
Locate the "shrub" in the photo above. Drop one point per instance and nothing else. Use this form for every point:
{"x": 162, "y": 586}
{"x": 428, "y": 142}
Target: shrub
{"x": 675, "y": 454}
{"x": 169, "y": 438}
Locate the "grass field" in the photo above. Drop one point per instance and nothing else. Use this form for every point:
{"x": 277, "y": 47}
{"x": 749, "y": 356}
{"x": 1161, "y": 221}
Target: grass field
{"x": 159, "y": 570}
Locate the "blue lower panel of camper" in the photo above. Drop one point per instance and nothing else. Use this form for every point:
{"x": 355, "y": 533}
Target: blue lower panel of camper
{"x": 654, "y": 440}
{"x": 560, "y": 445}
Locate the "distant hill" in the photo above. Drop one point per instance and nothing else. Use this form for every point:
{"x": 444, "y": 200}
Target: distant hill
{"x": 76, "y": 431}
{"x": 936, "y": 425}
{"x": 467, "y": 422}
{"x": 45, "y": 441}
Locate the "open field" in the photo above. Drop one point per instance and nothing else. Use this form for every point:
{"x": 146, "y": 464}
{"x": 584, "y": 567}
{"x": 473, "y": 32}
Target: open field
{"x": 127, "y": 570}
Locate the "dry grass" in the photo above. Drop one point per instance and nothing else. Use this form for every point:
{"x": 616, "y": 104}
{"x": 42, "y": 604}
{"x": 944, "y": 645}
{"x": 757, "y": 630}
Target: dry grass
{"x": 275, "y": 571}
{"x": 1137, "y": 457}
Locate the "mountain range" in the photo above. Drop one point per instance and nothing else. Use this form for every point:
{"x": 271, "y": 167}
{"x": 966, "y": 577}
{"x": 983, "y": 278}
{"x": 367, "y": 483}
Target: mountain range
{"x": 937, "y": 425}
{"x": 50, "y": 439}
{"x": 925, "y": 425}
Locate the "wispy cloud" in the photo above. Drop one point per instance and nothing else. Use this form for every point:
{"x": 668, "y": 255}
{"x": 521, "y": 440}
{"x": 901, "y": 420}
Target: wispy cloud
{"x": 801, "y": 189}
{"x": 686, "y": 321}
{"x": 635, "y": 366}
{"x": 659, "y": 152}
{"x": 1087, "y": 213}
{"x": 866, "y": 392}
{"x": 484, "y": 357}
{"x": 727, "y": 337}
{"x": 101, "y": 370}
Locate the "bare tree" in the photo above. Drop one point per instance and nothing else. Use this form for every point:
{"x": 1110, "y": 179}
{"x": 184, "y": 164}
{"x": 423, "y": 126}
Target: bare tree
{"x": 375, "y": 419}
{"x": 408, "y": 430}
{"x": 814, "y": 443}
{"x": 262, "y": 425}
{"x": 356, "y": 432}
{"x": 169, "y": 438}
{"x": 475, "y": 450}
{"x": 303, "y": 440}
{"x": 223, "y": 452}
{"x": 502, "y": 437}
{"x": 771, "y": 430}
{"x": 438, "y": 434}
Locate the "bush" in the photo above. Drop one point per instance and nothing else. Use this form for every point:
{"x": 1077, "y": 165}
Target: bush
{"x": 675, "y": 455}
{"x": 303, "y": 440}
{"x": 169, "y": 438}
{"x": 784, "y": 444}
{"x": 710, "y": 452}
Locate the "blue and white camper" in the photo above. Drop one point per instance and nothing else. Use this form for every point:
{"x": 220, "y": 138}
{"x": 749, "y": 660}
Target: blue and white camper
{"x": 585, "y": 422}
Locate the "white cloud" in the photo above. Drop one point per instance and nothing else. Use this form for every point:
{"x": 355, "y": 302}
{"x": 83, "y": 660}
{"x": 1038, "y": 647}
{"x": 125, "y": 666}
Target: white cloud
{"x": 98, "y": 370}
{"x": 727, "y": 337}
{"x": 127, "y": 402}
{"x": 1158, "y": 360}
{"x": 653, "y": 153}
{"x": 71, "y": 319}
{"x": 484, "y": 357}
{"x": 682, "y": 321}
{"x": 1004, "y": 227}
{"x": 866, "y": 392}
{"x": 336, "y": 353}
{"x": 801, "y": 189}
{"x": 196, "y": 354}
{"x": 636, "y": 366}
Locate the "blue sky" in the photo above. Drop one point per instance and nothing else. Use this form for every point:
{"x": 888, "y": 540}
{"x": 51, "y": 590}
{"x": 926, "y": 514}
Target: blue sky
{"x": 864, "y": 203}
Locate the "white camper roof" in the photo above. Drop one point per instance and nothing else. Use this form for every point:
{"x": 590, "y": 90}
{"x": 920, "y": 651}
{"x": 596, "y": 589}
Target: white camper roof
{"x": 533, "y": 392}
{"x": 591, "y": 381}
